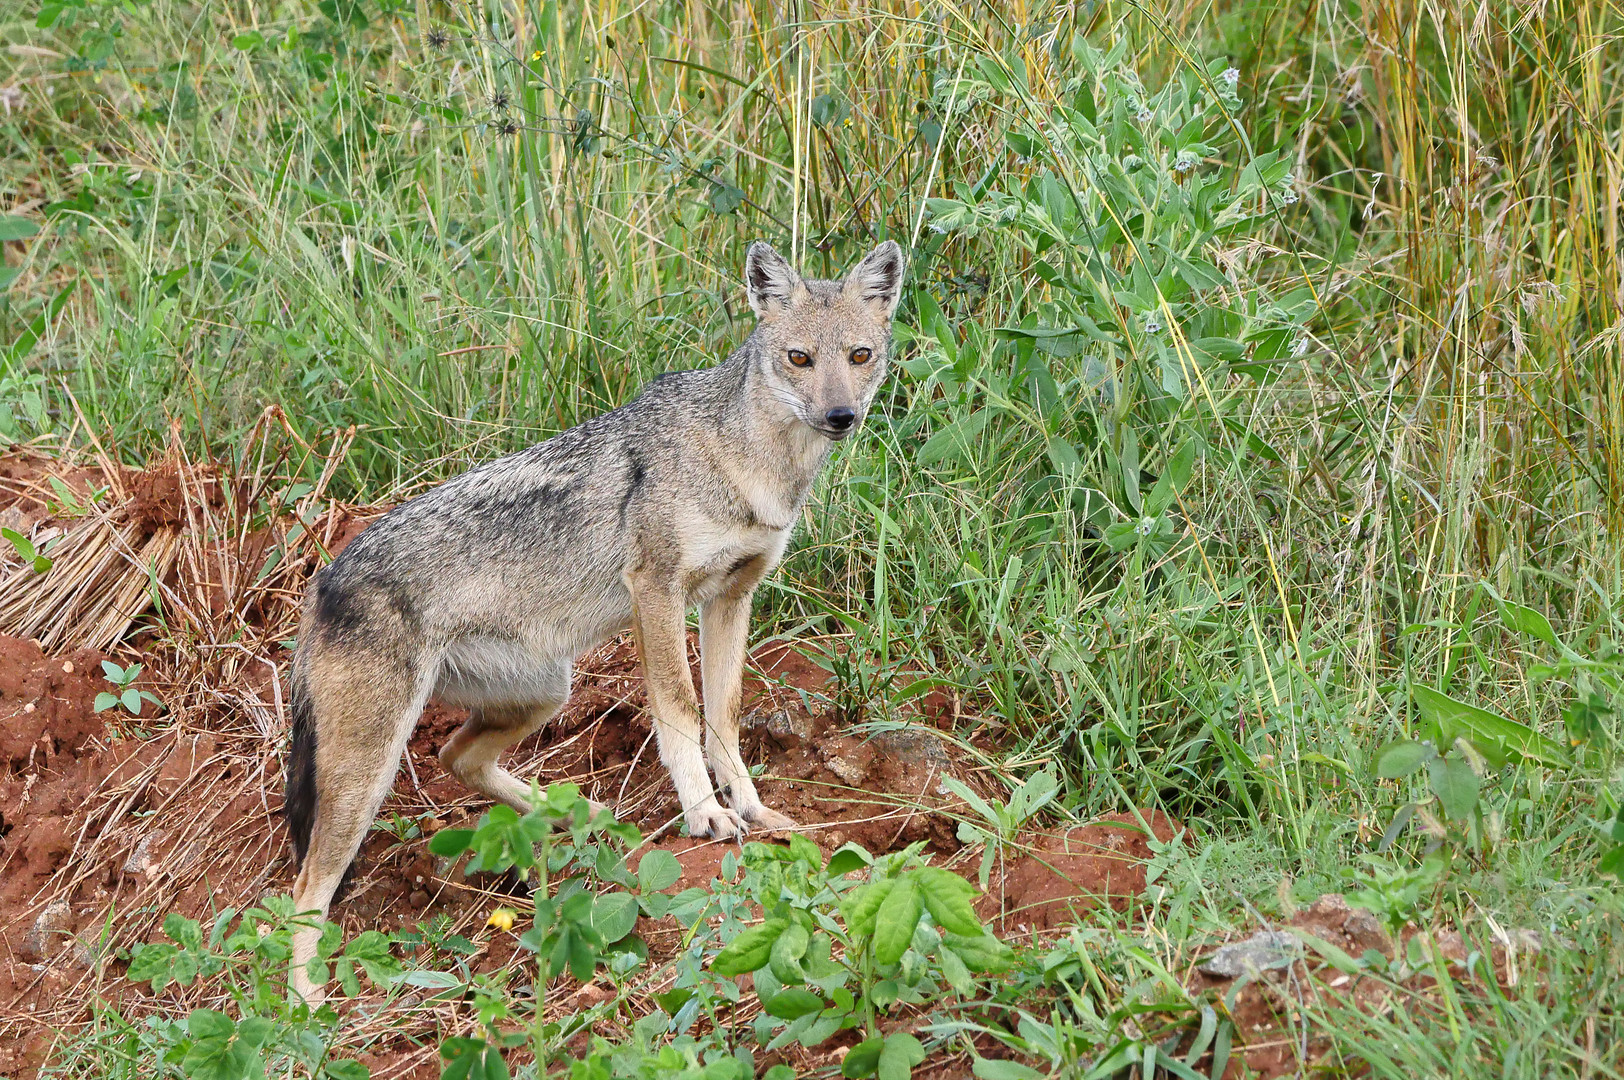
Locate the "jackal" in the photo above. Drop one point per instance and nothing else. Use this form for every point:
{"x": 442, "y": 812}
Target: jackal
{"x": 482, "y": 591}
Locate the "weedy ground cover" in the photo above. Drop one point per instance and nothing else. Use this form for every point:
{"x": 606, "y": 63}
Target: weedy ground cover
{"x": 1255, "y": 454}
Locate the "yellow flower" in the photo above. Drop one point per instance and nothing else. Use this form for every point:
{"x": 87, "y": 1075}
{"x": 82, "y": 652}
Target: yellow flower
{"x": 535, "y": 56}
{"x": 502, "y": 918}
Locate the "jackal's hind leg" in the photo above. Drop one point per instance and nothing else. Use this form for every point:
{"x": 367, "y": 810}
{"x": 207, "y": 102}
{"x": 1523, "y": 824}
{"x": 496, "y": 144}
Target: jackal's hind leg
{"x": 471, "y": 753}
{"x": 361, "y": 731}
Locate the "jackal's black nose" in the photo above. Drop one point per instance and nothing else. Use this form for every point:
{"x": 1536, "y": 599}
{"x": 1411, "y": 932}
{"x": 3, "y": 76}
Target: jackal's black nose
{"x": 840, "y": 419}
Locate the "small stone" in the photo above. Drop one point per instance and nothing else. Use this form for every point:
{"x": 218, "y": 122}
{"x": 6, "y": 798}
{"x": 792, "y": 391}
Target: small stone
{"x": 140, "y": 859}
{"x": 590, "y": 994}
{"x": 1263, "y": 951}
{"x": 849, "y": 771}
{"x": 912, "y": 745}
{"x": 783, "y": 724}
{"x": 81, "y": 955}
{"x": 46, "y": 933}
{"x": 67, "y": 667}
{"x": 1366, "y": 931}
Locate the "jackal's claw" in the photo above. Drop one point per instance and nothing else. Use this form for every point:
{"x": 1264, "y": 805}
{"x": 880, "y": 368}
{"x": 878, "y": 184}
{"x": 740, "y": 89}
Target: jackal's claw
{"x": 714, "y": 820}
{"x": 769, "y": 820}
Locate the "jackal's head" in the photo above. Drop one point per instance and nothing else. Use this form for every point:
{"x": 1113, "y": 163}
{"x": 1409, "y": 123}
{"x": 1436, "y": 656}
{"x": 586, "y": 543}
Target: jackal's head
{"x": 822, "y": 346}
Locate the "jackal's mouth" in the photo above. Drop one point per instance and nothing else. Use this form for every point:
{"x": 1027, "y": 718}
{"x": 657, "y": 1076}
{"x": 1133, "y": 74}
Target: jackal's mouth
{"x": 833, "y": 434}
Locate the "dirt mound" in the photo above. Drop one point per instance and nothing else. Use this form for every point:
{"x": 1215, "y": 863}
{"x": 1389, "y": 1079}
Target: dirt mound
{"x": 1060, "y": 873}
{"x": 113, "y": 817}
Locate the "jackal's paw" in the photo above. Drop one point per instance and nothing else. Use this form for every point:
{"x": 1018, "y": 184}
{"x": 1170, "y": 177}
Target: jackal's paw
{"x": 711, "y": 818}
{"x": 767, "y": 820}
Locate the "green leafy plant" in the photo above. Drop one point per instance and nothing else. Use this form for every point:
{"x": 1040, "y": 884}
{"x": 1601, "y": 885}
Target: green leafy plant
{"x": 1461, "y": 744}
{"x": 829, "y": 955}
{"x": 561, "y": 848}
{"x": 262, "y": 1035}
{"x": 999, "y": 824}
{"x": 127, "y": 696}
{"x": 35, "y": 559}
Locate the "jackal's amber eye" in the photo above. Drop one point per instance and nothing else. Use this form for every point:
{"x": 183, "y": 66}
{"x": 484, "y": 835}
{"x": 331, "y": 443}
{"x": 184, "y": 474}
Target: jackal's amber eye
{"x": 799, "y": 358}
{"x": 860, "y": 356}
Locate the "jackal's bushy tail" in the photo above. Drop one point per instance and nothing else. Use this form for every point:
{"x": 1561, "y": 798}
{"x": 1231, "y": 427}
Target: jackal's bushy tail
{"x": 299, "y": 802}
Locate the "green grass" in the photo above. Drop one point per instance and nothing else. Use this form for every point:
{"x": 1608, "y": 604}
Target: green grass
{"x": 264, "y": 204}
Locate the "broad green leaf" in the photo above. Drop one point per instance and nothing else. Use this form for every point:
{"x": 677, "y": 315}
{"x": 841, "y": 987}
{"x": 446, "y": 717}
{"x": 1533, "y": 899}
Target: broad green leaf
{"x": 1172, "y": 481}
{"x": 862, "y": 904}
{"x": 983, "y": 953}
{"x": 954, "y": 971}
{"x": 15, "y": 227}
{"x": 1455, "y": 718}
{"x": 451, "y": 841}
{"x": 947, "y": 898}
{"x": 1403, "y": 758}
{"x": 895, "y": 921}
{"x": 1612, "y": 863}
{"x": 750, "y": 950}
{"x": 614, "y": 915}
{"x": 1003, "y": 1069}
{"x": 1456, "y": 785}
{"x": 862, "y": 1059}
{"x": 658, "y": 870}
{"x": 1525, "y": 620}
{"x": 793, "y": 1003}
{"x": 898, "y": 1056}
{"x": 786, "y": 954}
{"x": 803, "y": 850}
{"x": 187, "y": 933}
{"x": 848, "y": 857}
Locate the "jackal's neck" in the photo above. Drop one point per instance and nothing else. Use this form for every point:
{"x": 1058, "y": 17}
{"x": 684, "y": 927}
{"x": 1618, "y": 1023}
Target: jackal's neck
{"x": 763, "y": 433}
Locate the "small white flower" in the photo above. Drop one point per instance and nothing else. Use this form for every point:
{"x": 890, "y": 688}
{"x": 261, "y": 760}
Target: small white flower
{"x": 1145, "y": 116}
{"x": 1288, "y": 197}
{"x": 1232, "y": 76}
{"x": 1153, "y": 325}
{"x": 1185, "y": 161}
{"x": 1145, "y": 526}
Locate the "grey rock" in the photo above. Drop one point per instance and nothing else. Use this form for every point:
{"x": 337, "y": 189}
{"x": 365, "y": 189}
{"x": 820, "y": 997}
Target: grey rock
{"x": 140, "y": 859}
{"x": 782, "y": 724}
{"x": 47, "y": 933}
{"x": 913, "y": 745}
{"x": 1263, "y": 951}
{"x": 850, "y": 770}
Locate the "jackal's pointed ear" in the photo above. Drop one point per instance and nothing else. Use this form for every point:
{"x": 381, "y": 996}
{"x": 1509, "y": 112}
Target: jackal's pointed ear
{"x": 877, "y": 280}
{"x": 769, "y": 280}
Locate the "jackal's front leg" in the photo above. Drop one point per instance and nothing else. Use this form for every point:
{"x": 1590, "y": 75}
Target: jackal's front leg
{"x": 658, "y": 612}
{"x": 724, "y": 633}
